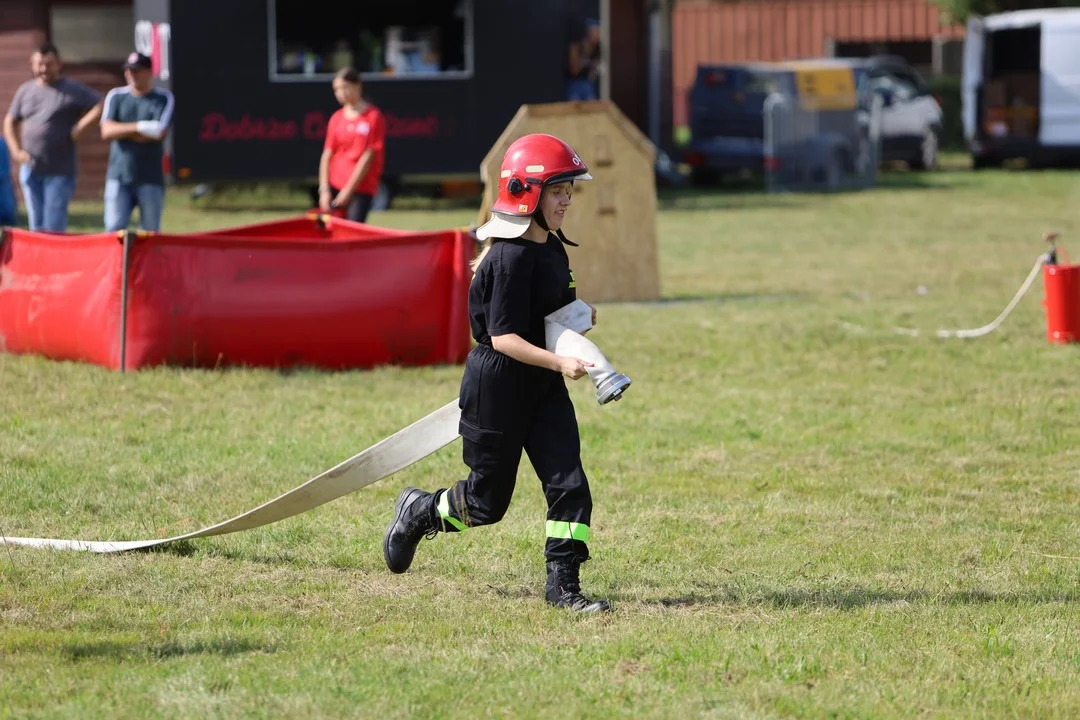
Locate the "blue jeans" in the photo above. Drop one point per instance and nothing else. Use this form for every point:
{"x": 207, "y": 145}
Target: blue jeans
{"x": 46, "y": 198}
{"x": 7, "y": 202}
{"x": 121, "y": 200}
{"x": 580, "y": 89}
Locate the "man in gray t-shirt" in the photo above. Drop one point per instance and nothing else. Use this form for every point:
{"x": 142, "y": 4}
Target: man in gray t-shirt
{"x": 49, "y": 112}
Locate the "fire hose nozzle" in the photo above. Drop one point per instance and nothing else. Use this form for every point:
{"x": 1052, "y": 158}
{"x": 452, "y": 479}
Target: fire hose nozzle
{"x": 562, "y": 335}
{"x": 610, "y": 386}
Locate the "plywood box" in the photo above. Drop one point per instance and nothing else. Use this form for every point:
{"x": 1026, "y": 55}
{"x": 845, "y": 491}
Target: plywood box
{"x": 613, "y": 216}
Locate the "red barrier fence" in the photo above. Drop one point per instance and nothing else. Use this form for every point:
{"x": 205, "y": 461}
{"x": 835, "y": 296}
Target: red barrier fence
{"x": 314, "y": 291}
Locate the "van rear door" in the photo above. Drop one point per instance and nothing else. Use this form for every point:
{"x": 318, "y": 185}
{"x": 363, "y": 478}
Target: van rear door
{"x": 974, "y": 47}
{"x": 1059, "y": 116}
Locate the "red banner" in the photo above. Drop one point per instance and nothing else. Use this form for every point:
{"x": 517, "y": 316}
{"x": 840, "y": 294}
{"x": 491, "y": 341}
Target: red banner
{"x": 301, "y": 292}
{"x": 60, "y": 295}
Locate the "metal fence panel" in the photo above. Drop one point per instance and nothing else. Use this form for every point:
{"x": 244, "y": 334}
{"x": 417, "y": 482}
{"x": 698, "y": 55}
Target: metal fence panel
{"x": 820, "y": 150}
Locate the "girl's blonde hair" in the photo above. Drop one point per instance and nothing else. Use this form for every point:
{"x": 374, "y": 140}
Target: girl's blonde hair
{"x": 485, "y": 247}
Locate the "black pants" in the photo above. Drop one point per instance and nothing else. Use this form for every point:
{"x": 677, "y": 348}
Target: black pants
{"x": 507, "y": 407}
{"x": 358, "y": 208}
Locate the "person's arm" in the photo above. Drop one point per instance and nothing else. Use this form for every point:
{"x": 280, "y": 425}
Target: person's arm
{"x": 11, "y": 135}
{"x": 524, "y": 351}
{"x": 594, "y": 69}
{"x": 359, "y": 172}
{"x": 325, "y": 196}
{"x": 91, "y": 117}
{"x": 12, "y": 126}
{"x": 90, "y": 100}
{"x": 511, "y": 291}
{"x": 113, "y": 129}
{"x": 376, "y": 143}
{"x": 165, "y": 118}
{"x": 575, "y": 59}
{"x": 155, "y": 130}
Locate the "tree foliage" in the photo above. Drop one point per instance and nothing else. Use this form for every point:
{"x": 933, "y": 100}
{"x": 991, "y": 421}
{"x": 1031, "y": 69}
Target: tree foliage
{"x": 960, "y": 10}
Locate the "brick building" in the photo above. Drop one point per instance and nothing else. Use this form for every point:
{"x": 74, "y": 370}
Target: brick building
{"x": 93, "y": 36}
{"x": 732, "y": 31}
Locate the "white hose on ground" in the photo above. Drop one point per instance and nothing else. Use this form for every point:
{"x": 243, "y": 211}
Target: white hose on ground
{"x": 392, "y": 454}
{"x": 974, "y": 332}
{"x": 985, "y": 329}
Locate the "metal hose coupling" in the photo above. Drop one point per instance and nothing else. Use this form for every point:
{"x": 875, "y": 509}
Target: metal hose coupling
{"x": 610, "y": 386}
{"x": 562, "y": 330}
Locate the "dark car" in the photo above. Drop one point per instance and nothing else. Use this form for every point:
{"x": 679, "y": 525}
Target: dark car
{"x": 727, "y": 112}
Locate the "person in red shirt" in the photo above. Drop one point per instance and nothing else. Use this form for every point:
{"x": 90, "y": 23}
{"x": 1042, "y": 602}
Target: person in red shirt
{"x": 352, "y": 157}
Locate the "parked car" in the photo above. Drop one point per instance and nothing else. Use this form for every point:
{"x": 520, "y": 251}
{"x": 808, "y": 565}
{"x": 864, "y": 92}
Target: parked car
{"x": 727, "y": 118}
{"x": 911, "y": 119}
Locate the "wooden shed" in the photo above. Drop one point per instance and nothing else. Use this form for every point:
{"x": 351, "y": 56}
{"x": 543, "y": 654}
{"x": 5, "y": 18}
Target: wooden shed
{"x": 613, "y": 216}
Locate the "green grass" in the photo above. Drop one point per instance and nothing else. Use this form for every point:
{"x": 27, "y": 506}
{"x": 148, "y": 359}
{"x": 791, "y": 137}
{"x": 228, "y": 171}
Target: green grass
{"x": 792, "y": 518}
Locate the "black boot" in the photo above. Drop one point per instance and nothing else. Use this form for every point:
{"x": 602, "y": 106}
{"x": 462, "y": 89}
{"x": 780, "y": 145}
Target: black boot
{"x": 564, "y": 589}
{"x": 413, "y": 518}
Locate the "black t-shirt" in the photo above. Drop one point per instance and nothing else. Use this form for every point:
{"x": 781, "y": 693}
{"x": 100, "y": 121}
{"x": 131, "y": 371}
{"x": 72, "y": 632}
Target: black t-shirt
{"x": 517, "y": 284}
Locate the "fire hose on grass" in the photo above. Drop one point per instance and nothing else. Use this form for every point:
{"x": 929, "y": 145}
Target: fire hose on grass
{"x": 1062, "y": 301}
{"x": 564, "y": 330}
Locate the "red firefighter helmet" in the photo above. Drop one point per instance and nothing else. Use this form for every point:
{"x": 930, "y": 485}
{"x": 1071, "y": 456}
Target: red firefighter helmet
{"x": 530, "y": 163}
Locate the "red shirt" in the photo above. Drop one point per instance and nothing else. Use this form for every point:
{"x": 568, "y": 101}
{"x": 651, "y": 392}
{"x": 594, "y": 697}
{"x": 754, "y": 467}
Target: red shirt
{"x": 347, "y": 139}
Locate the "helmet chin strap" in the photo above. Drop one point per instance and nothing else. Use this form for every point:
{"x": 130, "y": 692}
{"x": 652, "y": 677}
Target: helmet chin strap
{"x": 538, "y": 216}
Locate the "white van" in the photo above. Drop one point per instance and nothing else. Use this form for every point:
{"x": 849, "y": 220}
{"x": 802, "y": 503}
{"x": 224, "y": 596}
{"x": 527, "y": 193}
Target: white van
{"x": 1021, "y": 87}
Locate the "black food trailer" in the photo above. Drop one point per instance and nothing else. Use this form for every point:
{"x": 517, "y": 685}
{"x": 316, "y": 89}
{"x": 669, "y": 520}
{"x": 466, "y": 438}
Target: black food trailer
{"x": 252, "y": 78}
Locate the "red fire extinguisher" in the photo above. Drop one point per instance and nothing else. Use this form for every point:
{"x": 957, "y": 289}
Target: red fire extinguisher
{"x": 1062, "y": 300}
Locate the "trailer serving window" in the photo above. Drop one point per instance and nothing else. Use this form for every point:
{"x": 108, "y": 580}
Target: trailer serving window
{"x": 398, "y": 40}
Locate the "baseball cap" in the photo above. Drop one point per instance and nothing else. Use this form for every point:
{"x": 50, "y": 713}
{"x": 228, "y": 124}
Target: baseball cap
{"x": 138, "y": 61}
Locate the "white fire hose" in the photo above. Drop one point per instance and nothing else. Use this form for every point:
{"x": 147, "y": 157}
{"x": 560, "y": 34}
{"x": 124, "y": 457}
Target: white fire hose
{"x": 991, "y": 327}
{"x": 400, "y": 450}
{"x": 985, "y": 329}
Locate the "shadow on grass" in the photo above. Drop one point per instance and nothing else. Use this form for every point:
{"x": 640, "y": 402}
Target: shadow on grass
{"x": 180, "y": 548}
{"x": 206, "y": 366}
{"x": 79, "y": 222}
{"x": 718, "y": 298}
{"x": 851, "y": 598}
{"x": 274, "y": 559}
{"x": 163, "y": 651}
{"x": 300, "y": 203}
{"x": 284, "y": 556}
{"x": 240, "y": 207}
{"x": 86, "y": 221}
{"x": 751, "y": 193}
{"x": 726, "y": 198}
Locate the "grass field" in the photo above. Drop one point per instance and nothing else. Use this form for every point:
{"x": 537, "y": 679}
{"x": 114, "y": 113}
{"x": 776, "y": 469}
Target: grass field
{"x": 799, "y": 512}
